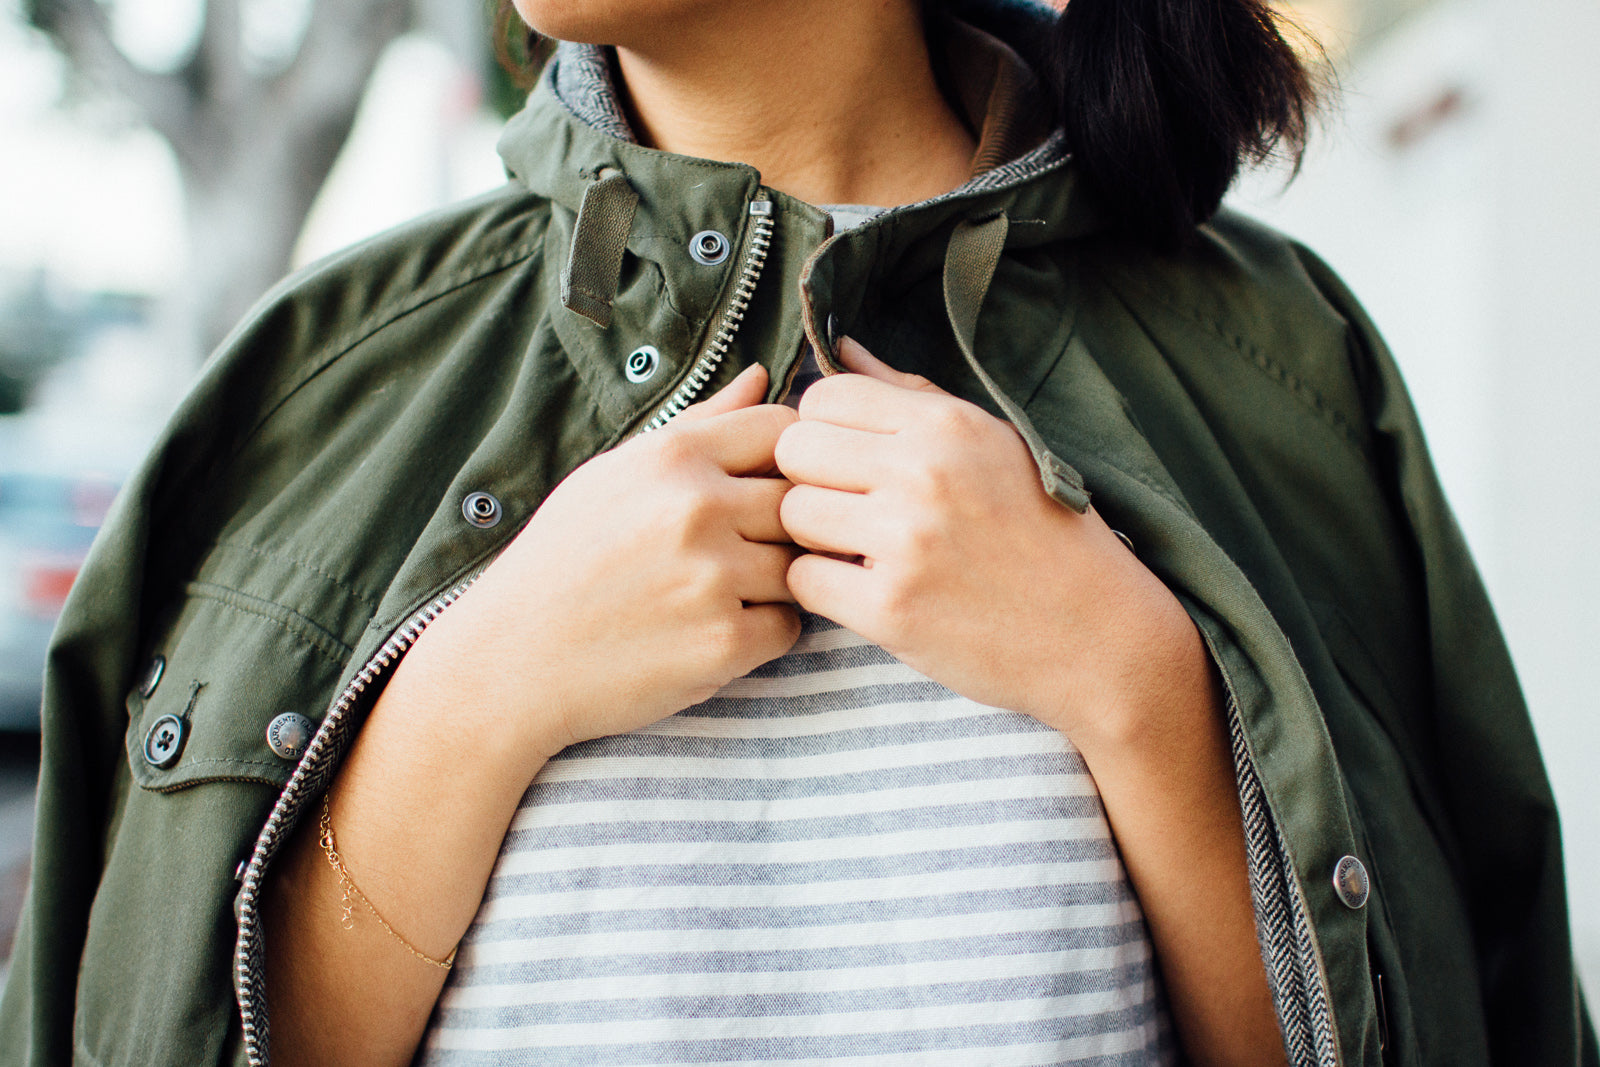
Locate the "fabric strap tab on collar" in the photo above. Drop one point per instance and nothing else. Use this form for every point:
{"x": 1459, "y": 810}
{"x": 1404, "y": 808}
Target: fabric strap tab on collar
{"x": 599, "y": 239}
{"x": 969, "y": 265}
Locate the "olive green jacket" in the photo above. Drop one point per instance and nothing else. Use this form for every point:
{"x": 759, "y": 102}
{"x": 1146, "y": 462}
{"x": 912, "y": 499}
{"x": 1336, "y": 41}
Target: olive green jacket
{"x": 1229, "y": 407}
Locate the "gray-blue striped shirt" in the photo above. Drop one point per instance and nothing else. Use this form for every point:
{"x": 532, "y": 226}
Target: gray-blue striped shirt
{"x": 834, "y": 860}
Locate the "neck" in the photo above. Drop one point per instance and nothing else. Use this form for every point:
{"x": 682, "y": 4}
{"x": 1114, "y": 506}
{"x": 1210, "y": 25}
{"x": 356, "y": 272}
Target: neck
{"x": 844, "y": 110}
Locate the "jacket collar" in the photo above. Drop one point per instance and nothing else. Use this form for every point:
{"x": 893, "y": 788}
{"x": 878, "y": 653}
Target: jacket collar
{"x": 574, "y": 131}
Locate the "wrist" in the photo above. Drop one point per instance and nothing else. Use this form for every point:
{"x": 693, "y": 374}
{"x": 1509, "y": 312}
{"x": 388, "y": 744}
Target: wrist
{"x": 458, "y": 688}
{"x": 1157, "y": 693}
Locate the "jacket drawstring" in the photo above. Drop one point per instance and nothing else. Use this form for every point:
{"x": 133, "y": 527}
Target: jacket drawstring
{"x": 969, "y": 265}
{"x": 599, "y": 239}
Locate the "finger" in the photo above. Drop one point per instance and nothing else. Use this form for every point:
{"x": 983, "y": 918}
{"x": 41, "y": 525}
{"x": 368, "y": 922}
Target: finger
{"x": 864, "y": 403}
{"x": 741, "y": 441}
{"x": 749, "y": 388}
{"x": 833, "y": 589}
{"x": 834, "y": 457}
{"x": 857, "y": 360}
{"x": 767, "y": 632}
{"x": 827, "y": 520}
{"x": 761, "y": 573}
{"x": 755, "y": 509}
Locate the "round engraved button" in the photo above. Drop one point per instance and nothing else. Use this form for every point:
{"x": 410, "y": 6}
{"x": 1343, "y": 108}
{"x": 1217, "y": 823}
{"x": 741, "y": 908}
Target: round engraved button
{"x": 1351, "y": 883}
{"x": 164, "y": 741}
{"x": 289, "y": 734}
{"x": 708, "y": 247}
{"x": 481, "y": 509}
{"x": 641, "y": 365}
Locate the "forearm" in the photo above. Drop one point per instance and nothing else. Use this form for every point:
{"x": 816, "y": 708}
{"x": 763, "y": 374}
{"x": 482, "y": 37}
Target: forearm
{"x": 1166, "y": 778}
{"x": 419, "y": 811}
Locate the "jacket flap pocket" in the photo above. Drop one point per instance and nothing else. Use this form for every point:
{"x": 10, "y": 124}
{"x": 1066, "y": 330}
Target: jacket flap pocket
{"x": 234, "y": 692}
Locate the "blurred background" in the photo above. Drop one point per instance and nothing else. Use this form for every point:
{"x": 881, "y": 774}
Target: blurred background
{"x": 162, "y": 162}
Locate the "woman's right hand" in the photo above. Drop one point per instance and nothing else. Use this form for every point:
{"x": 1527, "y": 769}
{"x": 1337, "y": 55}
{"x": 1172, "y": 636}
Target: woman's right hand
{"x": 653, "y": 575}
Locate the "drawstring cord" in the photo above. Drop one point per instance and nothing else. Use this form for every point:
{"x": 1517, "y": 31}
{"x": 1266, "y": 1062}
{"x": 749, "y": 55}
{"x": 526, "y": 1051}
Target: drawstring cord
{"x": 969, "y": 265}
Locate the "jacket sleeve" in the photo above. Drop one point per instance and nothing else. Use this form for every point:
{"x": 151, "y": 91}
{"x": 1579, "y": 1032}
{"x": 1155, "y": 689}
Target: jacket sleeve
{"x": 90, "y": 668}
{"x": 1493, "y": 783}
{"x": 142, "y": 552}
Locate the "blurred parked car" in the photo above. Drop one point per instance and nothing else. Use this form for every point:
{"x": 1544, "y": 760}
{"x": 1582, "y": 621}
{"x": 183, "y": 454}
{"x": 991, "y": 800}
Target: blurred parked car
{"x": 47, "y": 522}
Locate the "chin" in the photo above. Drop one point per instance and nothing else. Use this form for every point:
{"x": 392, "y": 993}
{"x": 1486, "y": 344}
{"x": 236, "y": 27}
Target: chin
{"x": 615, "y": 22}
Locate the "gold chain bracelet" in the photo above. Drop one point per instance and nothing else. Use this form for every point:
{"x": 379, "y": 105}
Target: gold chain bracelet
{"x": 352, "y": 893}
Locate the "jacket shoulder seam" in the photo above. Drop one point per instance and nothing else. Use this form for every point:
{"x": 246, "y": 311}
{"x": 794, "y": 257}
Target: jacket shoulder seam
{"x": 386, "y": 315}
{"x": 1306, "y": 394}
{"x": 381, "y": 318}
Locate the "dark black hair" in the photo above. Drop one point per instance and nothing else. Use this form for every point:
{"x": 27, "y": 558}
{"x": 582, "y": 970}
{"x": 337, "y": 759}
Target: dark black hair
{"x": 1163, "y": 101}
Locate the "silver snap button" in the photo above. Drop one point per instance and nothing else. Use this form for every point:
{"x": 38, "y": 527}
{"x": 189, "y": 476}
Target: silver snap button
{"x": 481, "y": 509}
{"x": 152, "y": 676}
{"x": 1351, "y": 883}
{"x": 289, "y": 734}
{"x": 164, "y": 741}
{"x": 642, "y": 363}
{"x": 708, "y": 247}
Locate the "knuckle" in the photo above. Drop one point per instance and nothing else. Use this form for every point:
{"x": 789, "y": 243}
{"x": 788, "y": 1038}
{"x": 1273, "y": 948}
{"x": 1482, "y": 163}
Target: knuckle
{"x": 932, "y": 482}
{"x": 686, "y": 514}
{"x": 958, "y": 421}
{"x": 721, "y": 641}
{"x": 675, "y": 451}
{"x": 915, "y": 540}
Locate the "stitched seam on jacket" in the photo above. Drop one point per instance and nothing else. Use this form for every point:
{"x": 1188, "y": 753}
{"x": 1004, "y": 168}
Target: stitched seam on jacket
{"x": 232, "y": 762}
{"x": 386, "y": 315}
{"x": 307, "y": 630}
{"x": 1293, "y": 384}
{"x": 303, "y": 564}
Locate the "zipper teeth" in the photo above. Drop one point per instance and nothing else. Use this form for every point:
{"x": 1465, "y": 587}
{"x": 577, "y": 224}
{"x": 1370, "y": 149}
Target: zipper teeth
{"x": 387, "y": 655}
{"x": 755, "y": 259}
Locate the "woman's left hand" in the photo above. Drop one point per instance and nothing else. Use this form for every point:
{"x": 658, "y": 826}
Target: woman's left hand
{"x": 931, "y": 535}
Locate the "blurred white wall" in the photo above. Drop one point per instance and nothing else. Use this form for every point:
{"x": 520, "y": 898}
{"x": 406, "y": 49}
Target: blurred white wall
{"x": 1454, "y": 189}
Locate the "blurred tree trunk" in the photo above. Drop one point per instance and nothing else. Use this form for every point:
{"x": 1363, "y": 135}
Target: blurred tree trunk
{"x": 253, "y": 138}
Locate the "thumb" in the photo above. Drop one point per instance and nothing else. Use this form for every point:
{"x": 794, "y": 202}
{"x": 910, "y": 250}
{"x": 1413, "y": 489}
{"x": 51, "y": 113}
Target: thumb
{"x": 857, "y": 360}
{"x": 747, "y": 390}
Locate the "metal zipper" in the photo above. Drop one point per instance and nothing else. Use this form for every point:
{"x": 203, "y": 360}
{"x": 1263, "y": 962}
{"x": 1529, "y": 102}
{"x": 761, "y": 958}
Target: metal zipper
{"x": 398, "y": 644}
{"x": 755, "y": 258}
